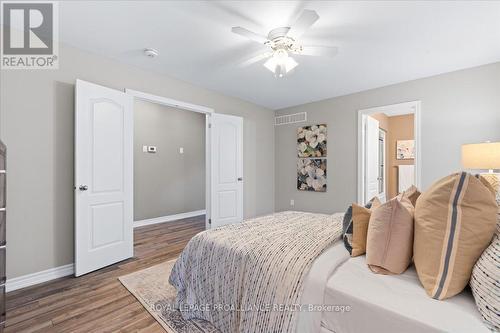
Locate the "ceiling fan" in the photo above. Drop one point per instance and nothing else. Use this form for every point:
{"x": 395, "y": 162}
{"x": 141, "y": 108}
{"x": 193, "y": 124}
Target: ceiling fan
{"x": 284, "y": 41}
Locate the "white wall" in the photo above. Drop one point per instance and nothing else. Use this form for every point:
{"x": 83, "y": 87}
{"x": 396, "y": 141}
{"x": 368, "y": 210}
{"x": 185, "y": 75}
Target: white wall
{"x": 457, "y": 108}
{"x": 36, "y": 124}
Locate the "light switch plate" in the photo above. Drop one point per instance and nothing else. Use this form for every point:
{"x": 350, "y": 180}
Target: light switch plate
{"x": 181, "y": 150}
{"x": 144, "y": 149}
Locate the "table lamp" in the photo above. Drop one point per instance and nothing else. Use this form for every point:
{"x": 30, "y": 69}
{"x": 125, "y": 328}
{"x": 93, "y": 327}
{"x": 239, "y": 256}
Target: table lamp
{"x": 484, "y": 156}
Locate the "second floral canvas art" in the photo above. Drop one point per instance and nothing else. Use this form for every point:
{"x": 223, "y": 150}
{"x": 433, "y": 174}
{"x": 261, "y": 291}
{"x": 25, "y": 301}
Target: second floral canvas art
{"x": 311, "y": 165}
{"x": 311, "y": 174}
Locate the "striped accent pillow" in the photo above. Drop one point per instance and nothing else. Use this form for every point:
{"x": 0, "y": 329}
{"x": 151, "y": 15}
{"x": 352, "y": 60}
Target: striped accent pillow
{"x": 485, "y": 282}
{"x": 454, "y": 223}
{"x": 347, "y": 224}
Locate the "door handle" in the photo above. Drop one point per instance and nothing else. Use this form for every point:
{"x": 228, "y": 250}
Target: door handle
{"x": 83, "y": 187}
{"x": 240, "y": 179}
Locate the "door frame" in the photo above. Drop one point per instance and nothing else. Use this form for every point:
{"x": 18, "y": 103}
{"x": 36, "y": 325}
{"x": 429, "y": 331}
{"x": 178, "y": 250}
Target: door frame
{"x": 384, "y": 177}
{"x": 208, "y": 120}
{"x": 412, "y": 107}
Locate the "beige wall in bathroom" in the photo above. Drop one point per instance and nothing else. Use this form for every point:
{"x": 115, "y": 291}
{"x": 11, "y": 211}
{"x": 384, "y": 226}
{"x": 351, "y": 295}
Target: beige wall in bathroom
{"x": 400, "y": 128}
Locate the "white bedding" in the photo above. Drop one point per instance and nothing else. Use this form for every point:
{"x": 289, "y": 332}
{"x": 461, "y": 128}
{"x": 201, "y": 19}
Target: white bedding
{"x": 248, "y": 277}
{"x": 396, "y": 303}
{"x": 314, "y": 286}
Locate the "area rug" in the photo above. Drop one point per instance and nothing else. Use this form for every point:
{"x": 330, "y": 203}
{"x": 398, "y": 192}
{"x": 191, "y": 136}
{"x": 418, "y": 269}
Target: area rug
{"x": 150, "y": 286}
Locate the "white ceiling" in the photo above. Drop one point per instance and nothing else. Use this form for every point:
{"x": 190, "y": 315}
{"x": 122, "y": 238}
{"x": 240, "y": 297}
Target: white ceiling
{"x": 380, "y": 42}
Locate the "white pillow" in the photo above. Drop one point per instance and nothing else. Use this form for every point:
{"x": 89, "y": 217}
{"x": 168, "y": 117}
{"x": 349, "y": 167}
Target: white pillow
{"x": 484, "y": 282}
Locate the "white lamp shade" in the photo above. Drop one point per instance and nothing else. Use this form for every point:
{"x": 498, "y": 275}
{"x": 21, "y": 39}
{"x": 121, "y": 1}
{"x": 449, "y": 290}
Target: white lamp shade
{"x": 481, "y": 156}
{"x": 271, "y": 64}
{"x": 280, "y": 63}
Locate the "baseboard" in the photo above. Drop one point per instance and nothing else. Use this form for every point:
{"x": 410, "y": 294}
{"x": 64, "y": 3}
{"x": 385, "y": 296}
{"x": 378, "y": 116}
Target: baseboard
{"x": 39, "y": 277}
{"x": 62, "y": 271}
{"x": 169, "y": 218}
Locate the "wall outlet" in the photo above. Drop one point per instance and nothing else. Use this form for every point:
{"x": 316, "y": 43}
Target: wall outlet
{"x": 292, "y": 202}
{"x": 181, "y": 150}
{"x": 151, "y": 149}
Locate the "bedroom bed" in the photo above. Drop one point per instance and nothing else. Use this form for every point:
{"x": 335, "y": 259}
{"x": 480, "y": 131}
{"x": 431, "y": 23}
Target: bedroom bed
{"x": 380, "y": 303}
{"x": 289, "y": 272}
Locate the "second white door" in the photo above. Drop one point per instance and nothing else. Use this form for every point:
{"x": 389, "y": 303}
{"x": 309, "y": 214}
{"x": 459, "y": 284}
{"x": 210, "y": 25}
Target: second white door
{"x": 371, "y": 158}
{"x": 226, "y": 204}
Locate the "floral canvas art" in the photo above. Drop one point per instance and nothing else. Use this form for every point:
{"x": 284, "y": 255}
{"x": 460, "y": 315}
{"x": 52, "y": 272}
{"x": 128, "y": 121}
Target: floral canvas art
{"x": 311, "y": 141}
{"x": 405, "y": 149}
{"x": 311, "y": 174}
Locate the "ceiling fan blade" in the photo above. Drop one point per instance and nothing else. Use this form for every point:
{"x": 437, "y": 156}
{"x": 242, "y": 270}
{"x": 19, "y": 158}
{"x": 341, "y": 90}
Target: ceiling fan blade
{"x": 249, "y": 34}
{"x": 255, "y": 59}
{"x": 321, "y": 51}
{"x": 304, "y": 22}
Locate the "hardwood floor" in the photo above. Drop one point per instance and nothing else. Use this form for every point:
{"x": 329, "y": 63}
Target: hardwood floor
{"x": 97, "y": 302}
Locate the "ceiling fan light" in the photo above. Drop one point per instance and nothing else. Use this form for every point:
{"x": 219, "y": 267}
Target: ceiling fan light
{"x": 280, "y": 63}
{"x": 271, "y": 64}
{"x": 280, "y": 55}
{"x": 290, "y": 64}
{"x": 280, "y": 70}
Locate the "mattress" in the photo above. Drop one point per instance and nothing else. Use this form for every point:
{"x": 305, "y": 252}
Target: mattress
{"x": 395, "y": 303}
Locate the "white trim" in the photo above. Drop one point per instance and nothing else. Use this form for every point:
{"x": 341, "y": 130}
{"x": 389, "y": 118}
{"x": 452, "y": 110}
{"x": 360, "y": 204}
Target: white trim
{"x": 168, "y": 218}
{"x": 169, "y": 101}
{"x": 392, "y": 110}
{"x": 418, "y": 145}
{"x": 384, "y": 190}
{"x": 414, "y": 108}
{"x": 39, "y": 277}
{"x": 208, "y": 168}
{"x": 208, "y": 135}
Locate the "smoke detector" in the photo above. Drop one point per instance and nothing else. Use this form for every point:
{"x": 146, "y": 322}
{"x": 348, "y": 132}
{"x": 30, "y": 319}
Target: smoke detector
{"x": 150, "y": 52}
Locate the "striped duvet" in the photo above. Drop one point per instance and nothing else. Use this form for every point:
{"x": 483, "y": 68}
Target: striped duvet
{"x": 248, "y": 277}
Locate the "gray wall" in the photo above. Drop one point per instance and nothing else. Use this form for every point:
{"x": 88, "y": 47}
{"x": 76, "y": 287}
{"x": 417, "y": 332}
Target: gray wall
{"x": 457, "y": 108}
{"x": 36, "y": 123}
{"x": 167, "y": 182}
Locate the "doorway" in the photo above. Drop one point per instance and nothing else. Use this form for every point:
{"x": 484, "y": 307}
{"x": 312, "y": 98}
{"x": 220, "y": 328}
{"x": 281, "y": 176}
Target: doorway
{"x": 104, "y": 163}
{"x": 223, "y": 160}
{"x": 169, "y": 163}
{"x": 388, "y": 150}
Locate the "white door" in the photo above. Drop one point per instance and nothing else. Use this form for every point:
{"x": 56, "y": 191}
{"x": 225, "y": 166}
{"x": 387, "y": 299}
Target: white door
{"x": 226, "y": 170}
{"x": 371, "y": 158}
{"x": 103, "y": 177}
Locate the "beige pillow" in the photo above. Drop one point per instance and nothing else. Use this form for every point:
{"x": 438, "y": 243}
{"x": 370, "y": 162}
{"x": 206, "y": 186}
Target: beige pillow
{"x": 389, "y": 244}
{"x": 412, "y": 193}
{"x": 360, "y": 219}
{"x": 454, "y": 223}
